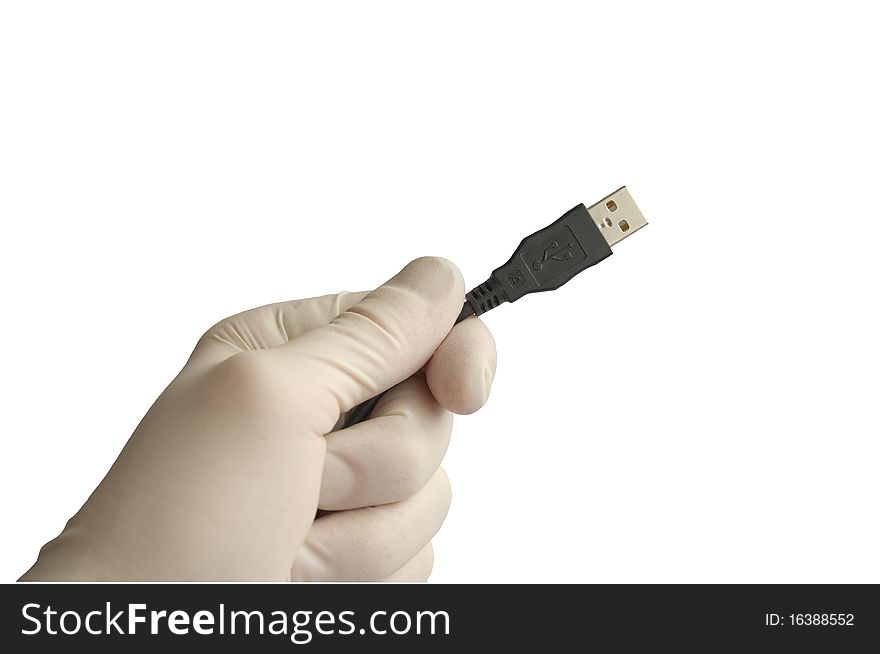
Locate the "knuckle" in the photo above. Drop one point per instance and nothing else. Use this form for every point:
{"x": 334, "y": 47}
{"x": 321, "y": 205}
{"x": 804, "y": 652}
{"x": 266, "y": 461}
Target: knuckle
{"x": 243, "y": 370}
{"x": 250, "y": 382}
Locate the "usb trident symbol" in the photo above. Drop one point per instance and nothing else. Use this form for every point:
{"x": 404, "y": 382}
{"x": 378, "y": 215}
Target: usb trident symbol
{"x": 554, "y": 253}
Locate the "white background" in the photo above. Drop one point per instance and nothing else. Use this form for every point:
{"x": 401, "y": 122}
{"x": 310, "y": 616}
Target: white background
{"x": 701, "y": 407}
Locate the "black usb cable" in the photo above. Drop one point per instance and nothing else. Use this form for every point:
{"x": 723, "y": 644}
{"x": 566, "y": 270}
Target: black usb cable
{"x": 547, "y": 259}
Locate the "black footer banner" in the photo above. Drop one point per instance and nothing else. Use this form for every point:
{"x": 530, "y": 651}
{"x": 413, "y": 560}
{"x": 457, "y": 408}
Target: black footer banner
{"x": 404, "y": 617}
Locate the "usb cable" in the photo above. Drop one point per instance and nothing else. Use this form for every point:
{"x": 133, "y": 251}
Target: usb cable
{"x": 547, "y": 259}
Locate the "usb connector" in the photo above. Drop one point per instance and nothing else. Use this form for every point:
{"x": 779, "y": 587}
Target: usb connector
{"x": 547, "y": 259}
{"x": 550, "y": 257}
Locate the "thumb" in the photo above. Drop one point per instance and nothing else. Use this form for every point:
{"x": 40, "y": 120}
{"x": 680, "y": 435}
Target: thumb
{"x": 383, "y": 339}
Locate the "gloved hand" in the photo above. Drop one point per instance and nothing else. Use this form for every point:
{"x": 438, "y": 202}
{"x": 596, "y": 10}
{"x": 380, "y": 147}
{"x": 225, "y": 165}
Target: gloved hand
{"x": 224, "y": 476}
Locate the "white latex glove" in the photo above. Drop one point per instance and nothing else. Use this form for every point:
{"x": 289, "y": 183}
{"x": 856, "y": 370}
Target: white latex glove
{"x": 224, "y": 476}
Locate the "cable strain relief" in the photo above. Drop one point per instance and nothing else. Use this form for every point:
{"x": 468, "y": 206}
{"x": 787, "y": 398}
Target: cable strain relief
{"x": 486, "y": 296}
